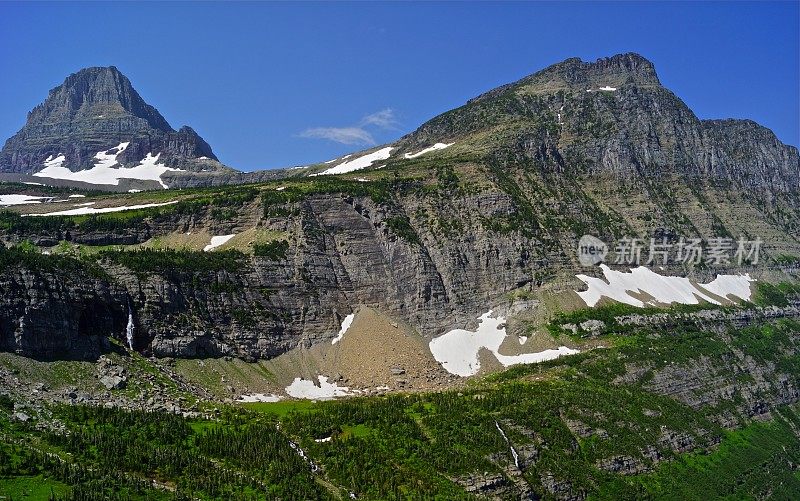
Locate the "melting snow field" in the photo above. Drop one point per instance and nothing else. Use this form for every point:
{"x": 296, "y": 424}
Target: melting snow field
{"x": 259, "y": 397}
{"x": 437, "y": 146}
{"x": 345, "y": 325}
{"x": 21, "y": 199}
{"x": 458, "y": 349}
{"x": 358, "y": 163}
{"x": 304, "y": 388}
{"x": 90, "y": 210}
{"x": 54, "y": 162}
{"x": 217, "y": 241}
{"x": 104, "y": 171}
{"x": 619, "y": 285}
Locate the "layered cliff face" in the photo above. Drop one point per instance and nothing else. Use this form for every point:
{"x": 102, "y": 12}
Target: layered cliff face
{"x": 343, "y": 251}
{"x": 436, "y": 251}
{"x": 96, "y": 110}
{"x": 59, "y": 314}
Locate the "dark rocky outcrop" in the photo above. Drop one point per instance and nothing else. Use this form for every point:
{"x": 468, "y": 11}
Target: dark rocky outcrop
{"x": 58, "y": 315}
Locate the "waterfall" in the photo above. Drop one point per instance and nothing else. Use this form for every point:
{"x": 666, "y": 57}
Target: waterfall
{"x": 302, "y": 454}
{"x": 513, "y": 451}
{"x": 130, "y": 328}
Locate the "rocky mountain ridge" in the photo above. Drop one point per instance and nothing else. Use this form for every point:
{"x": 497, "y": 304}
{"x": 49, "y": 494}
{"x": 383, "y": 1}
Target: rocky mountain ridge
{"x": 613, "y": 116}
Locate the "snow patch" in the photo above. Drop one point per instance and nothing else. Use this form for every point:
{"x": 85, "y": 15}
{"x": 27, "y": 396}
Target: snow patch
{"x": 304, "y": 388}
{"x": 77, "y": 196}
{"x": 605, "y": 88}
{"x": 619, "y": 285}
{"x": 217, "y": 241}
{"x": 345, "y": 325}
{"x": 358, "y": 163}
{"x": 259, "y": 397}
{"x": 725, "y": 285}
{"x": 54, "y": 162}
{"x": 104, "y": 171}
{"x": 437, "y": 146}
{"x": 22, "y": 199}
{"x": 90, "y": 210}
{"x": 457, "y": 351}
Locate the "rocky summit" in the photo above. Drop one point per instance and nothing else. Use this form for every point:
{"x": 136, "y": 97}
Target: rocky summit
{"x": 613, "y": 116}
{"x": 94, "y": 111}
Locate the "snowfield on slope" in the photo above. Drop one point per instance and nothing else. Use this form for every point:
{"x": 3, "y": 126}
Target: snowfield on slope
{"x": 358, "y": 163}
{"x": 104, "y": 171}
{"x": 91, "y": 210}
{"x": 305, "y": 388}
{"x": 345, "y": 325}
{"x": 437, "y": 146}
{"x": 457, "y": 351}
{"x": 6, "y": 200}
{"x": 54, "y": 162}
{"x": 217, "y": 241}
{"x": 620, "y": 286}
{"x": 259, "y": 397}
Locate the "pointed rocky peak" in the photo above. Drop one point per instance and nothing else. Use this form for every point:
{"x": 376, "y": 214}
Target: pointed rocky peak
{"x": 98, "y": 93}
{"x": 94, "y": 111}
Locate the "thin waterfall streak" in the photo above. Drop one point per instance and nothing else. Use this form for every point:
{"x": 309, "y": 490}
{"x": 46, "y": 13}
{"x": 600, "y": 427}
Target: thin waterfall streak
{"x": 513, "y": 451}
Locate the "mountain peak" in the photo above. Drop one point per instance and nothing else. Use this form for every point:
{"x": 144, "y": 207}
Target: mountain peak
{"x": 94, "y": 110}
{"x": 620, "y": 68}
{"x": 577, "y": 75}
{"x": 611, "y": 115}
{"x": 99, "y": 92}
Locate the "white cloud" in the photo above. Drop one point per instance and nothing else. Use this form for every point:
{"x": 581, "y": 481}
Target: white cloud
{"x": 357, "y": 134}
{"x": 344, "y": 135}
{"x": 384, "y": 119}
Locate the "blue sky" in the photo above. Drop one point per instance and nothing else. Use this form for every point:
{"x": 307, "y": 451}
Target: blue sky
{"x": 278, "y": 84}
